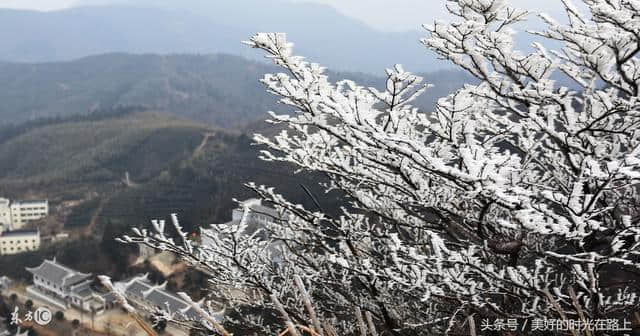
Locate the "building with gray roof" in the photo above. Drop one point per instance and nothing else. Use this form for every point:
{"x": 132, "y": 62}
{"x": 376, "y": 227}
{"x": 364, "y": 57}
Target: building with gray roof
{"x": 65, "y": 286}
{"x": 141, "y": 293}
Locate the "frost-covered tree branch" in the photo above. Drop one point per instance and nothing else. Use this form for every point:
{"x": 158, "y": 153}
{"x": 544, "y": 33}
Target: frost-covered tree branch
{"x": 512, "y": 199}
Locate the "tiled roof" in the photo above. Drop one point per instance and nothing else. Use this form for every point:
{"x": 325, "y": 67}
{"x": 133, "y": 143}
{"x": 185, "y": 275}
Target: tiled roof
{"x": 82, "y": 291}
{"x": 158, "y": 297}
{"x": 137, "y": 288}
{"x": 58, "y": 274}
{"x": 165, "y": 300}
{"x": 75, "y": 278}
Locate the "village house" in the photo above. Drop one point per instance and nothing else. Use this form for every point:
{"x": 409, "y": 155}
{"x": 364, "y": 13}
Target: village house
{"x": 142, "y": 294}
{"x": 64, "y": 287}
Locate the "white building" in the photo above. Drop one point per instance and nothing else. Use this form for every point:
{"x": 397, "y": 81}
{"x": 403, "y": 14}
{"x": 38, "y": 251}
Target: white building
{"x": 23, "y": 212}
{"x": 18, "y": 241}
{"x": 64, "y": 287}
{"x": 258, "y": 216}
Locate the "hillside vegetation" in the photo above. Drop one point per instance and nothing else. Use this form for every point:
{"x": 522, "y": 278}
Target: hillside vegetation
{"x": 213, "y": 88}
{"x": 87, "y": 151}
{"x": 175, "y": 166}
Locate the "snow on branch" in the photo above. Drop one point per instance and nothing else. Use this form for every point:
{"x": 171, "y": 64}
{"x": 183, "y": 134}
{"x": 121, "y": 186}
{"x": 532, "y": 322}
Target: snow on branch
{"x": 512, "y": 199}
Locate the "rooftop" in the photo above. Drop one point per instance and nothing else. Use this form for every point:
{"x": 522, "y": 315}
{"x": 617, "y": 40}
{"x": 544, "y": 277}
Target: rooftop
{"x": 165, "y": 300}
{"x": 138, "y": 288}
{"x": 26, "y": 202}
{"x": 83, "y": 291}
{"x": 57, "y": 273}
{"x": 157, "y": 296}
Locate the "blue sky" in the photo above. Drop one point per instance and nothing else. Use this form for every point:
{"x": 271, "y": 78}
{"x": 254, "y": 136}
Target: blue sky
{"x": 386, "y": 15}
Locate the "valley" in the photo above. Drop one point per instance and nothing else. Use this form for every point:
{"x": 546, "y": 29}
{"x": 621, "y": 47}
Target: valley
{"x": 174, "y": 166}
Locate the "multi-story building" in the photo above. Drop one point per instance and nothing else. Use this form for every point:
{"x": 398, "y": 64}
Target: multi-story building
{"x": 18, "y": 241}
{"x": 23, "y": 212}
{"x": 64, "y": 287}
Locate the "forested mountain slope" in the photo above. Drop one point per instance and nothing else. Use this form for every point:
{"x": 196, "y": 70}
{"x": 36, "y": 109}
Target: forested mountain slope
{"x": 174, "y": 166}
{"x": 220, "y": 90}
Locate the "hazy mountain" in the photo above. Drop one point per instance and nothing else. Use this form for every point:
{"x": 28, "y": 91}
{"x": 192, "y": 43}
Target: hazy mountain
{"x": 217, "y": 89}
{"x": 320, "y": 33}
{"x": 220, "y": 90}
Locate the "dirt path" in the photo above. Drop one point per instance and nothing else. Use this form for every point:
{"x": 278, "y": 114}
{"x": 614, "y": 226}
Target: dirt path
{"x": 94, "y": 218}
{"x": 204, "y": 142}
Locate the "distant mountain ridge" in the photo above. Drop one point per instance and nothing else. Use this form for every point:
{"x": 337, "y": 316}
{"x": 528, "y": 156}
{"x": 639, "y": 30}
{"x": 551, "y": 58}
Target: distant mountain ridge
{"x": 220, "y": 90}
{"x": 208, "y": 88}
{"x": 320, "y": 33}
